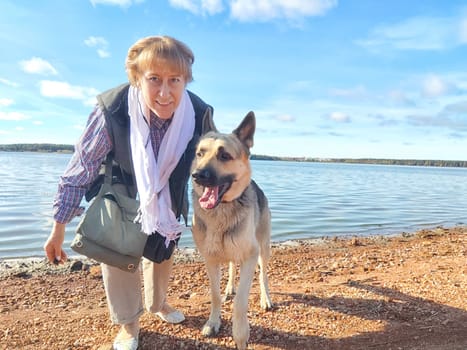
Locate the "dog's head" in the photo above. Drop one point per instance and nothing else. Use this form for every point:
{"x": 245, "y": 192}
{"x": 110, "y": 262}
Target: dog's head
{"x": 221, "y": 170}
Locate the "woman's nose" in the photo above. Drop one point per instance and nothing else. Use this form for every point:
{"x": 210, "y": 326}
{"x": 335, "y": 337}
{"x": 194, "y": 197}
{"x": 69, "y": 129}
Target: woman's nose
{"x": 165, "y": 89}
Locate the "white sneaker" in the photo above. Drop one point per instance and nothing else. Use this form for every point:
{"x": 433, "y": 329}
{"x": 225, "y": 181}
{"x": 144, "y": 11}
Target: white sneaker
{"x": 126, "y": 344}
{"x": 172, "y": 317}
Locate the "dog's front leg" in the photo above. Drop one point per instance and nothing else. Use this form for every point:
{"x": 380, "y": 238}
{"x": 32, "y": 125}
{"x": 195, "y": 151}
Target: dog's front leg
{"x": 214, "y": 322}
{"x": 265, "y": 300}
{"x": 230, "y": 287}
{"x": 240, "y": 326}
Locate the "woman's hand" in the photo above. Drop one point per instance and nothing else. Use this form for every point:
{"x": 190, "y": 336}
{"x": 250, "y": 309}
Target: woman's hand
{"x": 53, "y": 246}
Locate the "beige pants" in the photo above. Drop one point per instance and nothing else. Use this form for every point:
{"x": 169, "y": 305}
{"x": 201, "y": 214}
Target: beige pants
{"x": 123, "y": 290}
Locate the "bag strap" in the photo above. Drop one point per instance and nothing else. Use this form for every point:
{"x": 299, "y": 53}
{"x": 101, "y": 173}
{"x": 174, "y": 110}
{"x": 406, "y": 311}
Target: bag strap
{"x": 126, "y": 182}
{"x": 109, "y": 173}
{"x": 108, "y": 169}
{"x": 109, "y": 159}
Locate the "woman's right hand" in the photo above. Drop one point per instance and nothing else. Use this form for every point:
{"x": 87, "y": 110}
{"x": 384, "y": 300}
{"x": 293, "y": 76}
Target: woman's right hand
{"x": 53, "y": 246}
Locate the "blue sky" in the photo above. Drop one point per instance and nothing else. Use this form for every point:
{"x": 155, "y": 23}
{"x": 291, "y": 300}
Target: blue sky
{"x": 326, "y": 78}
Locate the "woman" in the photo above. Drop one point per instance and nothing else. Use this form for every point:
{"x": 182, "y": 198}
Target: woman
{"x": 151, "y": 126}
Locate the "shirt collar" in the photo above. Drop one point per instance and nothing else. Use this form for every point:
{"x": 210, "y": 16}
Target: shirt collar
{"x": 159, "y": 122}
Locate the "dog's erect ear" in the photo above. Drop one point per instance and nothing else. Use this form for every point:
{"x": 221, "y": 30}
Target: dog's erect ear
{"x": 246, "y": 129}
{"x": 208, "y": 122}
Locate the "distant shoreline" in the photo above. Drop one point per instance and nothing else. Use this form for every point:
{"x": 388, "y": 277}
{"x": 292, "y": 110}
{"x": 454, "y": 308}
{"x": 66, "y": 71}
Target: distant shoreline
{"x": 63, "y": 148}
{"x": 37, "y": 147}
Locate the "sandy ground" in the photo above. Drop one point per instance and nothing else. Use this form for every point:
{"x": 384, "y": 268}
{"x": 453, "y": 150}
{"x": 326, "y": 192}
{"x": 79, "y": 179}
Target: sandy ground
{"x": 404, "y": 292}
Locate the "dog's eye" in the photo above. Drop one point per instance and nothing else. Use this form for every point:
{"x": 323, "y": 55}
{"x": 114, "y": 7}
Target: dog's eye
{"x": 199, "y": 154}
{"x": 224, "y": 157}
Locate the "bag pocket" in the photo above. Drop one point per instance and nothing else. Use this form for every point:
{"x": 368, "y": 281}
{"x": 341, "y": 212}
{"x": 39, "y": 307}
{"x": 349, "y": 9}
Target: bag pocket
{"x": 86, "y": 247}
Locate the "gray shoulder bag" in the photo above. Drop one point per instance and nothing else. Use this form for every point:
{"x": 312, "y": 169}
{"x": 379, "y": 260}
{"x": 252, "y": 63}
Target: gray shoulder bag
{"x": 107, "y": 232}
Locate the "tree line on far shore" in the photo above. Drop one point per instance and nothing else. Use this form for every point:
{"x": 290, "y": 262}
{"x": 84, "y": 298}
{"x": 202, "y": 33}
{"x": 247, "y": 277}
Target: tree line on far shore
{"x": 37, "y": 147}
{"x": 411, "y": 162}
{"x": 62, "y": 148}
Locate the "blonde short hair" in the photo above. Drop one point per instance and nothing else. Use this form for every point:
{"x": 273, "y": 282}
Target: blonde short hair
{"x": 149, "y": 51}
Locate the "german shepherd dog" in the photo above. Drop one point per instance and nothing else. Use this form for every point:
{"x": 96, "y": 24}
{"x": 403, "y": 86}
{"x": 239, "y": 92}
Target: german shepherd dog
{"x": 232, "y": 221}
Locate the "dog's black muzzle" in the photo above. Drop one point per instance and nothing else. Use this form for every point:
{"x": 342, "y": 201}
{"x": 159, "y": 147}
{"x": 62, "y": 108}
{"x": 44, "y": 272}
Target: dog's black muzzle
{"x": 208, "y": 177}
{"x": 205, "y": 177}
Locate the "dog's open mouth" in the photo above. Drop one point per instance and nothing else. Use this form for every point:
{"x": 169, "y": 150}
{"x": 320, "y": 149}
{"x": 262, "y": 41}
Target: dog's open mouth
{"x": 212, "y": 196}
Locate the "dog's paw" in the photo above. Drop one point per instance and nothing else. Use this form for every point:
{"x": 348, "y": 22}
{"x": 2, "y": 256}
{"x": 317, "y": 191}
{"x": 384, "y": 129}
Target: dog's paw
{"x": 266, "y": 304}
{"x": 229, "y": 290}
{"x": 240, "y": 332}
{"x": 242, "y": 346}
{"x": 210, "y": 329}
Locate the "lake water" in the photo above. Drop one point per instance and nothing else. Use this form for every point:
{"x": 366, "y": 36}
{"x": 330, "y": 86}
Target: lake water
{"x": 307, "y": 200}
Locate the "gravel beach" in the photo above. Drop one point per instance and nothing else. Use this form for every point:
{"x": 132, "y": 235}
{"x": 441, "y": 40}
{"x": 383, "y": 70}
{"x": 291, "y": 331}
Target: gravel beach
{"x": 403, "y": 292}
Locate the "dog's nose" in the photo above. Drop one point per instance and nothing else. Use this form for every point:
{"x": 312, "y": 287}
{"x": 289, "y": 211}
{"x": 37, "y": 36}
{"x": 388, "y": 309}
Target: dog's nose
{"x": 201, "y": 174}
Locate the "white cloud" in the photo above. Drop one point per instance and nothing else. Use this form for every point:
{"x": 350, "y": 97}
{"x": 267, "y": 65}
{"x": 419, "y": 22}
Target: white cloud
{"x": 445, "y": 120}
{"x": 339, "y": 117}
{"x": 418, "y": 33}
{"x": 37, "y": 65}
{"x": 197, "y": 7}
{"x": 94, "y": 41}
{"x": 400, "y": 98}
{"x": 103, "y": 53}
{"x": 455, "y": 108}
{"x": 434, "y": 86}
{"x": 100, "y": 44}
{"x": 285, "y": 118}
{"x": 8, "y": 82}
{"x": 38, "y": 122}
{"x": 121, "y": 3}
{"x": 60, "y": 89}
{"x": 188, "y": 5}
{"x": 265, "y": 10}
{"x": 247, "y": 10}
{"x": 5, "y": 102}
{"x": 12, "y": 116}
{"x": 212, "y": 6}
{"x": 90, "y": 101}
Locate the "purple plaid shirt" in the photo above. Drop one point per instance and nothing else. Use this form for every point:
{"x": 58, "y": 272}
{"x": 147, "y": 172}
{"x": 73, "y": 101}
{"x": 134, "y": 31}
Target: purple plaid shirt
{"x": 90, "y": 151}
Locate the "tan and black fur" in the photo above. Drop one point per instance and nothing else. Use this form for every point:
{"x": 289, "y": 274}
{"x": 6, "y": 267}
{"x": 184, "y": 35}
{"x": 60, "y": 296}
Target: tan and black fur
{"x": 231, "y": 222}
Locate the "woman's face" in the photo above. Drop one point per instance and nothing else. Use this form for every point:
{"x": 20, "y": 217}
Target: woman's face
{"x": 162, "y": 89}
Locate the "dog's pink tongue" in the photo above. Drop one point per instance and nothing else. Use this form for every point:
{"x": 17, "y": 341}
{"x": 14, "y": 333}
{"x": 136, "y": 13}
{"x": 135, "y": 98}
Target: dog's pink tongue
{"x": 209, "y": 198}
